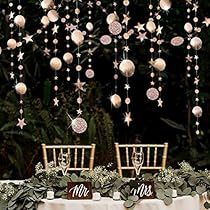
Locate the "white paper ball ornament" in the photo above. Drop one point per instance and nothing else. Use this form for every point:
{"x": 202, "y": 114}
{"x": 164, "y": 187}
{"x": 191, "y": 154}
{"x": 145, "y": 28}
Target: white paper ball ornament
{"x": 197, "y": 111}
{"x": 53, "y": 15}
{"x": 165, "y": 4}
{"x": 111, "y": 18}
{"x": 127, "y": 68}
{"x": 188, "y": 27}
{"x": 77, "y": 37}
{"x": 56, "y": 63}
{"x": 150, "y": 26}
{"x": 68, "y": 58}
{"x": 20, "y": 21}
{"x": 46, "y": 4}
{"x": 159, "y": 64}
{"x": 152, "y": 94}
{"x": 115, "y": 100}
{"x": 89, "y": 26}
{"x": 12, "y": 44}
{"x": 20, "y": 88}
{"x": 45, "y": 20}
{"x": 196, "y": 43}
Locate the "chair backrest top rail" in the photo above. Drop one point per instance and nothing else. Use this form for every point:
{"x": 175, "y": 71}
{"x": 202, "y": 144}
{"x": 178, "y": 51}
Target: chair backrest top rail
{"x": 69, "y": 146}
{"x": 141, "y": 145}
{"x": 143, "y": 167}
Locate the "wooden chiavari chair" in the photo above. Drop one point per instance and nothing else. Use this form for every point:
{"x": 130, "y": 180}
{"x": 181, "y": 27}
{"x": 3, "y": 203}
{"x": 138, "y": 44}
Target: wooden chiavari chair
{"x": 157, "y": 162}
{"x": 81, "y": 156}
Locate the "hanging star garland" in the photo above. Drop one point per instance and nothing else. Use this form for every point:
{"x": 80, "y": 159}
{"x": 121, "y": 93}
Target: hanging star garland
{"x": 21, "y": 123}
{"x": 128, "y": 118}
{"x": 79, "y": 85}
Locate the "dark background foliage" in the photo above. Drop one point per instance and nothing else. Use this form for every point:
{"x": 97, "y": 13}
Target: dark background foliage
{"x": 174, "y": 123}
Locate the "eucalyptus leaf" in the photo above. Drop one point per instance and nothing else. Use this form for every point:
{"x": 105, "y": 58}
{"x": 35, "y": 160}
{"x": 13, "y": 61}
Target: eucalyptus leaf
{"x": 74, "y": 177}
{"x": 192, "y": 180}
{"x": 193, "y": 193}
{"x": 29, "y": 205}
{"x": 167, "y": 201}
{"x": 128, "y": 203}
{"x": 133, "y": 198}
{"x": 187, "y": 191}
{"x": 200, "y": 189}
{"x": 207, "y": 205}
{"x": 160, "y": 194}
{"x": 168, "y": 192}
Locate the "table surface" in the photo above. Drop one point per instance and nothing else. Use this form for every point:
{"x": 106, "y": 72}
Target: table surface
{"x": 179, "y": 203}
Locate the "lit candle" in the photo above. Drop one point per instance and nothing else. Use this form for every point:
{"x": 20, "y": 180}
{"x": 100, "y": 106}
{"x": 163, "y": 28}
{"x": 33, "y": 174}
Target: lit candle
{"x": 50, "y": 194}
{"x": 174, "y": 193}
{"x": 116, "y": 196}
{"x": 96, "y": 196}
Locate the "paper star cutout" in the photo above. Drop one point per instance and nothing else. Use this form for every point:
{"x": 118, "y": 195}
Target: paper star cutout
{"x": 11, "y": 15}
{"x": 196, "y": 57}
{"x": 196, "y": 81}
{"x": 20, "y": 56}
{"x": 139, "y": 27}
{"x": 195, "y": 7}
{"x": 78, "y": 55}
{"x": 189, "y": 58}
{"x": 12, "y": 75}
{"x": 160, "y": 102}
{"x": 126, "y": 18}
{"x": 79, "y": 111}
{"x": 206, "y": 21}
{"x": 70, "y": 27}
{"x": 46, "y": 51}
{"x": 55, "y": 29}
{"x": 127, "y": 87}
{"x": 90, "y": 51}
{"x": 79, "y": 85}
{"x": 159, "y": 30}
{"x": 21, "y": 123}
{"x": 142, "y": 36}
{"x": 90, "y": 4}
{"x": 115, "y": 64}
{"x": 126, "y": 48}
{"x": 127, "y": 118}
{"x": 56, "y": 101}
{"x": 28, "y": 38}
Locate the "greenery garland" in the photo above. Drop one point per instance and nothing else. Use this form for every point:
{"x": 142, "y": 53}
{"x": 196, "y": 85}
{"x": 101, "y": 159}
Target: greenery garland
{"x": 28, "y": 195}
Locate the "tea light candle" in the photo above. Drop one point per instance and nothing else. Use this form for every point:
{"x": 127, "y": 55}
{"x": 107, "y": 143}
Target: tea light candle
{"x": 174, "y": 193}
{"x": 96, "y": 196}
{"x": 50, "y": 194}
{"x": 116, "y": 196}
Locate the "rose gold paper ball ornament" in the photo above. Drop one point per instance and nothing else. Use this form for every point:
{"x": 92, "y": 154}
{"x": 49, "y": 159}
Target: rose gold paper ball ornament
{"x": 188, "y": 27}
{"x": 150, "y": 26}
{"x": 106, "y": 40}
{"x": 89, "y": 26}
{"x": 77, "y": 37}
{"x": 68, "y": 58}
{"x": 165, "y": 4}
{"x": 152, "y": 94}
{"x": 56, "y": 63}
{"x": 12, "y": 44}
{"x": 177, "y": 41}
{"x": 89, "y": 73}
{"x": 111, "y": 18}
{"x": 159, "y": 64}
{"x": 53, "y": 15}
{"x": 20, "y": 88}
{"x": 115, "y": 100}
{"x": 115, "y": 28}
{"x": 79, "y": 125}
{"x": 45, "y": 20}
{"x": 46, "y": 4}
{"x": 127, "y": 68}
{"x": 197, "y": 111}
{"x": 20, "y": 21}
{"x": 196, "y": 43}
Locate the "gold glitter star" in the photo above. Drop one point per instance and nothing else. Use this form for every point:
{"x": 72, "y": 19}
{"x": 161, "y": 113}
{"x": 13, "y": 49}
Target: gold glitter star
{"x": 127, "y": 118}
{"x": 79, "y": 85}
{"x": 126, "y": 18}
{"x": 139, "y": 27}
{"x": 28, "y": 38}
{"x": 206, "y": 21}
{"x": 21, "y": 123}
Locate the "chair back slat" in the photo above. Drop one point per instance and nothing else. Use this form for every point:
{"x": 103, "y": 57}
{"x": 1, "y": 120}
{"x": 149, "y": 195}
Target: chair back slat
{"x": 124, "y": 153}
{"x": 81, "y": 156}
{"x": 155, "y": 156}
{"x": 148, "y": 156}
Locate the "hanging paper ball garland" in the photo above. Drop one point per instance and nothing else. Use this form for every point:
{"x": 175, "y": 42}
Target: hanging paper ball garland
{"x": 79, "y": 125}
{"x": 111, "y": 18}
{"x": 197, "y": 111}
{"x": 115, "y": 28}
{"x": 68, "y": 58}
{"x": 45, "y": 20}
{"x": 21, "y": 88}
{"x": 77, "y": 37}
{"x": 53, "y": 16}
{"x": 12, "y": 44}
{"x": 20, "y": 21}
{"x": 116, "y": 100}
{"x": 56, "y": 63}
{"x": 46, "y": 4}
{"x": 159, "y": 64}
{"x": 152, "y": 94}
{"x": 106, "y": 40}
{"x": 188, "y": 27}
{"x": 177, "y": 41}
{"x": 150, "y": 26}
{"x": 196, "y": 43}
{"x": 165, "y": 4}
{"x": 127, "y": 68}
